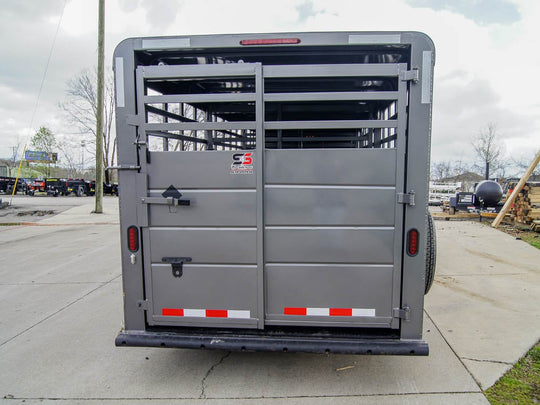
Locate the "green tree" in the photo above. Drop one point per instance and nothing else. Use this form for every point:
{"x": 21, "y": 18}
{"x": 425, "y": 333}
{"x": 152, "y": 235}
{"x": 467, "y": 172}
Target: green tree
{"x": 44, "y": 141}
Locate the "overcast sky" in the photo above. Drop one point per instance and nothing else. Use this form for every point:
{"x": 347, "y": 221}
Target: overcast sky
{"x": 487, "y": 54}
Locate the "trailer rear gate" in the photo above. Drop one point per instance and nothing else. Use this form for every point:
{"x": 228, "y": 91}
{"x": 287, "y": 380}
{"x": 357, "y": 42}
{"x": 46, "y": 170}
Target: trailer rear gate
{"x": 269, "y": 187}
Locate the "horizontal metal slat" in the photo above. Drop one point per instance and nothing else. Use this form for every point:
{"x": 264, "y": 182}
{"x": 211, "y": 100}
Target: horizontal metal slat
{"x": 343, "y": 70}
{"x": 373, "y": 167}
{"x": 370, "y": 245}
{"x": 331, "y": 124}
{"x": 201, "y": 98}
{"x": 200, "y": 126}
{"x": 351, "y": 138}
{"x": 197, "y": 71}
{"x": 331, "y": 96}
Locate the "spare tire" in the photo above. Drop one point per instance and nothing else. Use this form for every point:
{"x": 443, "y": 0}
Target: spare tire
{"x": 431, "y": 253}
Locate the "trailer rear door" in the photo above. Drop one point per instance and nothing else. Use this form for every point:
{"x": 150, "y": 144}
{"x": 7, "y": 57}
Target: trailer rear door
{"x": 269, "y": 194}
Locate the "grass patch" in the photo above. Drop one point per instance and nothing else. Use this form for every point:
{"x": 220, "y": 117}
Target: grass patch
{"x": 532, "y": 238}
{"x": 521, "y": 384}
{"x": 519, "y": 232}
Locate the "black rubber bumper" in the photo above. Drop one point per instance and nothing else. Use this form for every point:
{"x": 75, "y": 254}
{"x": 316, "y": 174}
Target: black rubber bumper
{"x": 273, "y": 343}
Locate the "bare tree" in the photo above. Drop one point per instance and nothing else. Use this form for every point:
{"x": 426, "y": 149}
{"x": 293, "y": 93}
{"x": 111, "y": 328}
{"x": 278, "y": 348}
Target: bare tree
{"x": 81, "y": 109}
{"x": 489, "y": 150}
{"x": 14, "y": 159}
{"x": 67, "y": 149}
{"x": 523, "y": 163}
{"x": 446, "y": 169}
{"x": 441, "y": 170}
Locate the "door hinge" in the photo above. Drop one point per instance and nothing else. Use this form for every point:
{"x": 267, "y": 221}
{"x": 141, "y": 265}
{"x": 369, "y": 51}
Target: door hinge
{"x": 402, "y": 313}
{"x": 409, "y": 75}
{"x": 142, "y": 304}
{"x": 406, "y": 198}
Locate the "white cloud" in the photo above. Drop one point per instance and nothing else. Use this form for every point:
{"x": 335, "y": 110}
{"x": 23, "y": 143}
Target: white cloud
{"x": 484, "y": 72}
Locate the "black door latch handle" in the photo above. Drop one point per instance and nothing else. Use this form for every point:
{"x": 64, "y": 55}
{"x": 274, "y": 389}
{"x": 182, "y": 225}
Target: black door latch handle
{"x": 177, "y": 264}
{"x": 175, "y": 194}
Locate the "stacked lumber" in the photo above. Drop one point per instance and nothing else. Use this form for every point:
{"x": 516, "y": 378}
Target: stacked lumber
{"x": 526, "y": 207}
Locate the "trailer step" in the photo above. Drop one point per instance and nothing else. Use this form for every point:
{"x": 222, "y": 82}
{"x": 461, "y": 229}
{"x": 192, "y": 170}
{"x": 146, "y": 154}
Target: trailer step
{"x": 243, "y": 342}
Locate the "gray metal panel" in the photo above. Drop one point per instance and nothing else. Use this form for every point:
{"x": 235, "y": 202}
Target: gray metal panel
{"x": 141, "y": 146}
{"x": 328, "y": 96}
{"x": 208, "y": 169}
{"x": 259, "y": 172}
{"x": 419, "y": 141}
{"x": 199, "y": 126}
{"x": 132, "y": 273}
{"x": 207, "y": 208}
{"x": 400, "y": 184}
{"x": 383, "y": 38}
{"x": 329, "y": 206}
{"x": 417, "y": 167}
{"x": 119, "y": 81}
{"x": 342, "y": 70}
{"x": 329, "y": 286}
{"x": 318, "y": 166}
{"x": 326, "y": 124}
{"x": 373, "y": 245}
{"x": 307, "y": 38}
{"x": 427, "y": 68}
{"x": 205, "y": 287}
{"x": 193, "y": 71}
{"x": 200, "y": 98}
{"x": 165, "y": 43}
{"x": 204, "y": 245}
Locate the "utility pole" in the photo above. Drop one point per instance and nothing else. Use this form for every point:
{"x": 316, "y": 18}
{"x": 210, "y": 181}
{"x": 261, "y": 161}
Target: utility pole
{"x": 83, "y": 145}
{"x": 99, "y": 114}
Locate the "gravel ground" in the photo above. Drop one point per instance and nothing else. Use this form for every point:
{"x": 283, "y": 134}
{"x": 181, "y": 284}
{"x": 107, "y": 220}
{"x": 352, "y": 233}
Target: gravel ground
{"x": 34, "y": 209}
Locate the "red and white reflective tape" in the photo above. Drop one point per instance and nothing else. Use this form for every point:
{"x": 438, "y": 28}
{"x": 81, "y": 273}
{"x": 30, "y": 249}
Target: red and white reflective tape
{"x": 329, "y": 311}
{"x": 206, "y": 313}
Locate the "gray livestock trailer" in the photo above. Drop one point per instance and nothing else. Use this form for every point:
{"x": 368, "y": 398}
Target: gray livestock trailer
{"x": 273, "y": 191}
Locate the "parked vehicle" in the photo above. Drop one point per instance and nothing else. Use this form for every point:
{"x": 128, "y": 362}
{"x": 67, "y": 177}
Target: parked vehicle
{"x": 37, "y": 186}
{"x": 7, "y": 184}
{"x": 273, "y": 191}
{"x": 487, "y": 197}
{"x": 55, "y": 187}
{"x": 79, "y": 187}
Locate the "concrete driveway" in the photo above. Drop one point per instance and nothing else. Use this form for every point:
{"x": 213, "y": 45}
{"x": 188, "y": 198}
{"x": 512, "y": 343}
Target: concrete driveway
{"x": 60, "y": 290}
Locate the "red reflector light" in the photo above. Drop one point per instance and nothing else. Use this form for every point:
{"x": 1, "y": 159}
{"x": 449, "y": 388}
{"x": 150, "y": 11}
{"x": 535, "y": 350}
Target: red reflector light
{"x": 412, "y": 242}
{"x": 270, "y": 41}
{"x": 133, "y": 239}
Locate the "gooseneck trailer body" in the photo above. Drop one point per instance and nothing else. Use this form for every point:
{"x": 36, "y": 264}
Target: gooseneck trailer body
{"x": 273, "y": 191}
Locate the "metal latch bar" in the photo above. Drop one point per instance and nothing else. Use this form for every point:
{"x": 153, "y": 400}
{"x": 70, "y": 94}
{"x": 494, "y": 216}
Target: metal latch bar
{"x": 177, "y": 264}
{"x": 409, "y": 75}
{"x": 402, "y": 313}
{"x": 406, "y": 198}
{"x": 171, "y": 201}
{"x": 125, "y": 167}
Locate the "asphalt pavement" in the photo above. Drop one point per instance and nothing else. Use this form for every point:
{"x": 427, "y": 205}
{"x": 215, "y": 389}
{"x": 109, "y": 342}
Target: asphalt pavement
{"x": 60, "y": 290}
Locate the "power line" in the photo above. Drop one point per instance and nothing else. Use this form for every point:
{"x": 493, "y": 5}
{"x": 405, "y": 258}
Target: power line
{"x": 37, "y": 100}
{"x": 47, "y": 65}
